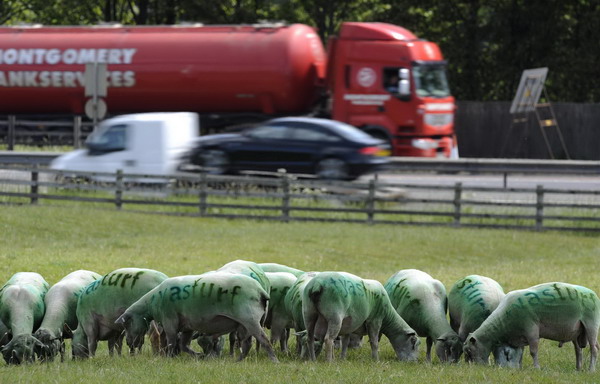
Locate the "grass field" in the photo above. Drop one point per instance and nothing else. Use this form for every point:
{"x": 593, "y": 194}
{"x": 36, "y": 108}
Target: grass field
{"x": 57, "y": 240}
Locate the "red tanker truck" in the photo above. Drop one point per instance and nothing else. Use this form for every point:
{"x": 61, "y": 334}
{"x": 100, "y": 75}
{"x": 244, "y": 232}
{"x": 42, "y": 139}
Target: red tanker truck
{"x": 375, "y": 76}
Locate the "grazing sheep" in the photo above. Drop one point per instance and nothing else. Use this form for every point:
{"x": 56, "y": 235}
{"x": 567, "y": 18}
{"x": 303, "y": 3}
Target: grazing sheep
{"x": 253, "y": 270}
{"x": 555, "y": 311}
{"x": 278, "y": 320}
{"x": 22, "y": 310}
{"x": 60, "y": 317}
{"x": 421, "y": 301}
{"x": 293, "y": 307}
{"x": 103, "y": 301}
{"x": 339, "y": 303}
{"x": 274, "y": 267}
{"x": 214, "y": 303}
{"x": 470, "y": 301}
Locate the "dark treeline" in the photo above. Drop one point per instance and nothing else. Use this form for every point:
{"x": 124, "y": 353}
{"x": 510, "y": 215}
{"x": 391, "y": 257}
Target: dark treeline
{"x": 488, "y": 43}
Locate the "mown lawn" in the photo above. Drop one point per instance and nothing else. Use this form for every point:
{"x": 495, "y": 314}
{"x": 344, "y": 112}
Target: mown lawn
{"x": 57, "y": 240}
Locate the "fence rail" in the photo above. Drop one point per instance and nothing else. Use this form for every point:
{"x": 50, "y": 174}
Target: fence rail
{"x": 288, "y": 199}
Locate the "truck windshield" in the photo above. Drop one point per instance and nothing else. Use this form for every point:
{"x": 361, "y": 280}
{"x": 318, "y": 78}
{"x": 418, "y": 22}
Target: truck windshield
{"x": 430, "y": 81}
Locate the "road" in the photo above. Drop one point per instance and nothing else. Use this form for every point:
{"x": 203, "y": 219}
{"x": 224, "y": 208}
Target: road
{"x": 561, "y": 182}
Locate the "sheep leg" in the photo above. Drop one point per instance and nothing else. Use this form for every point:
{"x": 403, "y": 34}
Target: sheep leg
{"x": 578, "y": 355}
{"x": 345, "y": 342}
{"x": 533, "y": 351}
{"x": 373, "y": 333}
{"x": 185, "y": 339}
{"x": 333, "y": 330}
{"x": 429, "y": 342}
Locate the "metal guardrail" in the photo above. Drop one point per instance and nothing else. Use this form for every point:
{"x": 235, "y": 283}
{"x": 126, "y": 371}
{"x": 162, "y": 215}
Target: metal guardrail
{"x": 407, "y": 164}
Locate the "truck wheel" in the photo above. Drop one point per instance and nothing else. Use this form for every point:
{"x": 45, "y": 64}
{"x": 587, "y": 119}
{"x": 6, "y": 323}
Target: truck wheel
{"x": 332, "y": 168}
{"x": 215, "y": 161}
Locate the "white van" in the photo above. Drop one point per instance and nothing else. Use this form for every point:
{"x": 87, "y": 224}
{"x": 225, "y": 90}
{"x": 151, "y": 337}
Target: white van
{"x": 145, "y": 143}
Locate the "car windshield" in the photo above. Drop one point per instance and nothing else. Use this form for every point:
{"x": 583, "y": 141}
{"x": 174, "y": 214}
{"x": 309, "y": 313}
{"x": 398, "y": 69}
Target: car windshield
{"x": 430, "y": 81}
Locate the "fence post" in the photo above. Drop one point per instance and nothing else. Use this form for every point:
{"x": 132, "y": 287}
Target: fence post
{"x": 34, "y": 184}
{"x": 119, "y": 189}
{"x": 202, "y": 194}
{"x": 77, "y": 132}
{"x": 457, "y": 203}
{"x": 285, "y": 200}
{"x": 12, "y": 125}
{"x": 539, "y": 208}
{"x": 371, "y": 201}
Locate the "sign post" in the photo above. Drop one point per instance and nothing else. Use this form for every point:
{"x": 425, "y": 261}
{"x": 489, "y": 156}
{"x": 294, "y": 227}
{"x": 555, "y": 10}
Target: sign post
{"x": 96, "y": 85}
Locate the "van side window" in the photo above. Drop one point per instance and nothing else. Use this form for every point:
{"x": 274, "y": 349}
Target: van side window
{"x": 113, "y": 139}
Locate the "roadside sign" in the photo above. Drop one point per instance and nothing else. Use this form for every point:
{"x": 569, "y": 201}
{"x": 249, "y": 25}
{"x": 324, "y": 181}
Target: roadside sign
{"x": 95, "y": 79}
{"x": 529, "y": 91}
{"x": 95, "y": 110}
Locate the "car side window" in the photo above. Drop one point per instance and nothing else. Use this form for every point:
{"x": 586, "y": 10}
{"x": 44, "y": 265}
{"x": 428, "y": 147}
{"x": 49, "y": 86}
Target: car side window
{"x": 269, "y": 132}
{"x": 313, "y": 134}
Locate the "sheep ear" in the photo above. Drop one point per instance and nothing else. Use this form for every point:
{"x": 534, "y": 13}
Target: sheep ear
{"x": 441, "y": 339}
{"x": 122, "y": 319}
{"x": 37, "y": 342}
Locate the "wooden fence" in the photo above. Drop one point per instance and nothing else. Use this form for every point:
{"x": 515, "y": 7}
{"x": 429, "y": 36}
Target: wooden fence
{"x": 286, "y": 198}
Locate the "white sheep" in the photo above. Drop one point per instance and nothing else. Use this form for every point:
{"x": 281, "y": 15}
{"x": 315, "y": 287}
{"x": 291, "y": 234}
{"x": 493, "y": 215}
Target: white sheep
{"x": 103, "y": 301}
{"x": 60, "y": 318}
{"x": 339, "y": 303}
{"x": 214, "y": 303}
{"x": 22, "y": 310}
{"x": 555, "y": 311}
{"x": 421, "y": 301}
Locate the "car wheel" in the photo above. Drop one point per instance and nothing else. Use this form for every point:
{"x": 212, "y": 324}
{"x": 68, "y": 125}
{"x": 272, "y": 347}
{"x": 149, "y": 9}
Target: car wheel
{"x": 215, "y": 161}
{"x": 332, "y": 168}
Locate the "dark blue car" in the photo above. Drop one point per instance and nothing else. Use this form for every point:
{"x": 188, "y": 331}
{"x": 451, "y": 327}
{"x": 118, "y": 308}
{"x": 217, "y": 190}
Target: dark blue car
{"x": 325, "y": 148}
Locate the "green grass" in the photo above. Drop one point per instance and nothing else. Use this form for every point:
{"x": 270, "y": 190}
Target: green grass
{"x": 57, "y": 240}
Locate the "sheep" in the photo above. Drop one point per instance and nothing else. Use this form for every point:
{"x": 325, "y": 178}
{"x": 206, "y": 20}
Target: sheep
{"x": 278, "y": 320}
{"x": 214, "y": 303}
{"x": 421, "y": 301}
{"x": 60, "y": 318}
{"x": 470, "y": 301}
{"x": 556, "y": 311}
{"x": 253, "y": 270}
{"x": 293, "y": 307}
{"x": 22, "y": 310}
{"x": 339, "y": 303}
{"x": 103, "y": 301}
{"x": 274, "y": 267}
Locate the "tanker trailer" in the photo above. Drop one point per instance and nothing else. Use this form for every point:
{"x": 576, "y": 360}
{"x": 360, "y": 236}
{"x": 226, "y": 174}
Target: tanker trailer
{"x": 238, "y": 74}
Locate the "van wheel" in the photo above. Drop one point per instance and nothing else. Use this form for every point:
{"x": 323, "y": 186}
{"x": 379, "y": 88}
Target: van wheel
{"x": 215, "y": 161}
{"x": 332, "y": 168}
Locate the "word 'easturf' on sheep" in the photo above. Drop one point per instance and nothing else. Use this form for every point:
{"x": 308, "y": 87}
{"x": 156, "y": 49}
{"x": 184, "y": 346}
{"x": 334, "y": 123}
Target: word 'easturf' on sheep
{"x": 556, "y": 311}
{"x": 103, "y": 301}
{"x": 214, "y": 303}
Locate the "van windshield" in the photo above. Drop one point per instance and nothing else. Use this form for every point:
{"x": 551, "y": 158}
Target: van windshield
{"x": 430, "y": 80}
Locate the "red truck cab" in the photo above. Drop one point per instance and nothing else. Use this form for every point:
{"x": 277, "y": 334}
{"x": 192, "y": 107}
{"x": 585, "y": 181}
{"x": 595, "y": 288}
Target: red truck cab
{"x": 386, "y": 81}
